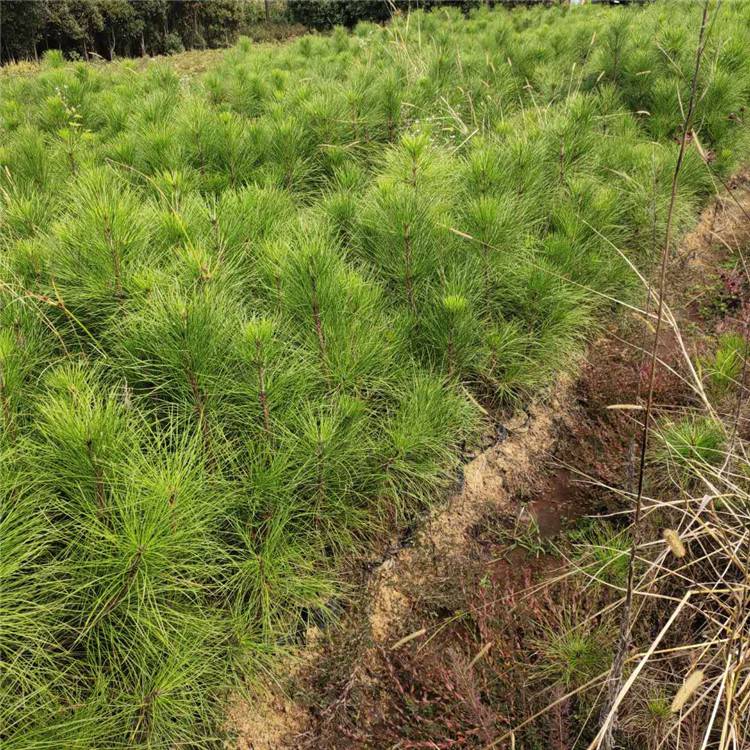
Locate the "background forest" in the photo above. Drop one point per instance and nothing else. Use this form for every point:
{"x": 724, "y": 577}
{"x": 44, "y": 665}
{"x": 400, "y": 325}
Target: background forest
{"x": 107, "y": 28}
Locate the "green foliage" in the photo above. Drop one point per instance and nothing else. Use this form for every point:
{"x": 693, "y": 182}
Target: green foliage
{"x": 325, "y": 14}
{"x": 247, "y": 321}
{"x": 692, "y": 444}
{"x": 570, "y": 655}
{"x": 602, "y": 553}
{"x": 725, "y": 368}
{"x": 81, "y": 28}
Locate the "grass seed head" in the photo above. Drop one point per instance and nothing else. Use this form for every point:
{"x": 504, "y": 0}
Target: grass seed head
{"x": 672, "y": 538}
{"x": 691, "y": 684}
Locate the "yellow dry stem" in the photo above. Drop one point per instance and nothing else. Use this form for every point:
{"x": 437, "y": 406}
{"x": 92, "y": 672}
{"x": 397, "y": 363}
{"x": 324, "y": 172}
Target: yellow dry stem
{"x": 688, "y": 688}
{"x": 672, "y": 538}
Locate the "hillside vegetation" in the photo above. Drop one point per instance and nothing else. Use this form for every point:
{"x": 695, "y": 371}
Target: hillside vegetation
{"x": 250, "y": 320}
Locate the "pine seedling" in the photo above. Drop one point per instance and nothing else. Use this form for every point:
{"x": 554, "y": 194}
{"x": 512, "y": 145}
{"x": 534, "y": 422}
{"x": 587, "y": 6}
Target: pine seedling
{"x": 209, "y": 261}
{"x": 27, "y": 164}
{"x": 78, "y": 718}
{"x": 523, "y": 171}
{"x": 142, "y": 572}
{"x": 360, "y": 96}
{"x": 54, "y": 59}
{"x": 417, "y": 451}
{"x": 461, "y": 332}
{"x": 496, "y": 226}
{"x": 149, "y": 148}
{"x": 404, "y": 239}
{"x": 451, "y": 333}
{"x": 646, "y": 715}
{"x": 340, "y": 206}
{"x": 273, "y": 257}
{"x": 26, "y": 267}
{"x": 32, "y": 590}
{"x": 552, "y": 314}
{"x": 334, "y": 452}
{"x": 615, "y": 50}
{"x": 569, "y": 137}
{"x": 419, "y": 165}
{"x": 70, "y": 143}
{"x": 180, "y": 349}
{"x": 224, "y": 150}
{"x": 26, "y": 345}
{"x": 587, "y": 221}
{"x": 259, "y": 338}
{"x": 82, "y": 431}
{"x": 570, "y": 655}
{"x": 725, "y": 369}
{"x": 389, "y": 102}
{"x": 509, "y": 372}
{"x": 97, "y": 248}
{"x": 245, "y": 219}
{"x": 11, "y": 383}
{"x": 11, "y": 111}
{"x": 691, "y": 445}
{"x": 181, "y": 217}
{"x": 291, "y": 162}
{"x": 172, "y": 186}
{"x": 196, "y": 267}
{"x": 176, "y": 694}
{"x": 483, "y": 169}
{"x": 339, "y": 315}
{"x": 309, "y": 284}
{"x": 278, "y": 377}
{"x": 278, "y": 570}
{"x": 325, "y": 116}
{"x": 244, "y": 147}
{"x": 158, "y": 106}
{"x": 248, "y": 92}
{"x": 602, "y": 552}
{"x": 107, "y": 113}
{"x": 25, "y": 213}
{"x": 340, "y": 209}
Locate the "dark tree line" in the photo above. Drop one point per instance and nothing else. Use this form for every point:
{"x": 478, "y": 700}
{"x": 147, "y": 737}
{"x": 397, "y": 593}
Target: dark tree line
{"x": 110, "y": 28}
{"x": 324, "y": 14}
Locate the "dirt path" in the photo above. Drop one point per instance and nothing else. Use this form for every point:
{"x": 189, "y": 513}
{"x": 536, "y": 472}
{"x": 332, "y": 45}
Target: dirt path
{"x": 409, "y": 626}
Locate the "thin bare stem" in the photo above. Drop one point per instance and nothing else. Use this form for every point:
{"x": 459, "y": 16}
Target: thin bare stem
{"x": 605, "y": 738}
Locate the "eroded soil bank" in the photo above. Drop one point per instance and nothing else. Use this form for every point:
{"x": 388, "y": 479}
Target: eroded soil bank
{"x": 437, "y": 647}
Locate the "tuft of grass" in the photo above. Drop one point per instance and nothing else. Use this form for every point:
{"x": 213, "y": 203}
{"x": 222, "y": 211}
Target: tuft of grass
{"x": 694, "y": 443}
{"x": 570, "y": 656}
{"x": 602, "y": 553}
{"x": 725, "y": 368}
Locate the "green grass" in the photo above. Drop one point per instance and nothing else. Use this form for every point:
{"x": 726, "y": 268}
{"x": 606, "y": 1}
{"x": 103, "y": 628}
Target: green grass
{"x": 724, "y": 369}
{"x": 246, "y": 320}
{"x": 691, "y": 445}
{"x": 570, "y": 655}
